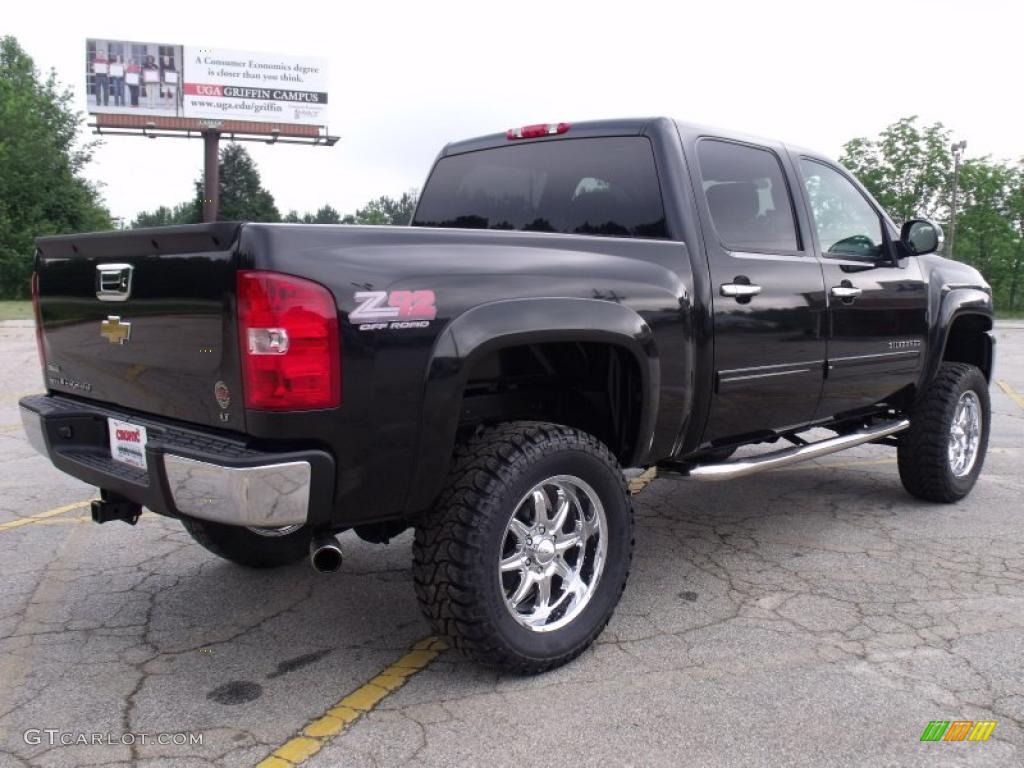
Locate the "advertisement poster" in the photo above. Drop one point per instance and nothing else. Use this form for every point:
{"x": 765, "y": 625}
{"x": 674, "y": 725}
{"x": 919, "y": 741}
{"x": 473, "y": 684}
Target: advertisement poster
{"x": 126, "y": 77}
{"x": 263, "y": 87}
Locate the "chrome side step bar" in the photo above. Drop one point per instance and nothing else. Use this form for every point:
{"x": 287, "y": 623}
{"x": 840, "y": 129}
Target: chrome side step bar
{"x": 728, "y": 470}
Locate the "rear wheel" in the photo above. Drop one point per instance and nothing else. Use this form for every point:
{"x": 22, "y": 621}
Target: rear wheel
{"x": 523, "y": 558}
{"x": 941, "y": 455}
{"x": 251, "y": 547}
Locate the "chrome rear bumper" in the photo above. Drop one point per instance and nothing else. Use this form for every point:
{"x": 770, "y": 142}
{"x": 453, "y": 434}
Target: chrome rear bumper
{"x": 266, "y": 496}
{"x": 189, "y": 472}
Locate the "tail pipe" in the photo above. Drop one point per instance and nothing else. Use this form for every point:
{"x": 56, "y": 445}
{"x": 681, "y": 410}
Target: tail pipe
{"x": 325, "y": 553}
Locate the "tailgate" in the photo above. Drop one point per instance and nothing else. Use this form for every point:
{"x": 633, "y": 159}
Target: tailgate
{"x": 145, "y": 319}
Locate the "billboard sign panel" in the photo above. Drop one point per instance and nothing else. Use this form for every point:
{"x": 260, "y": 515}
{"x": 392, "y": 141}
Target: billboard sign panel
{"x": 128, "y": 77}
{"x": 262, "y": 87}
{"x": 210, "y": 84}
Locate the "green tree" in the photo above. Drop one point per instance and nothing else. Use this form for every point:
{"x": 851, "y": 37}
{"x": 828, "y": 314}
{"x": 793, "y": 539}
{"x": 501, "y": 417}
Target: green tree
{"x": 42, "y": 191}
{"x": 386, "y": 210}
{"x": 326, "y": 214}
{"x": 183, "y": 213}
{"x": 985, "y": 233}
{"x": 908, "y": 169}
{"x": 1015, "y": 211}
{"x": 242, "y": 196}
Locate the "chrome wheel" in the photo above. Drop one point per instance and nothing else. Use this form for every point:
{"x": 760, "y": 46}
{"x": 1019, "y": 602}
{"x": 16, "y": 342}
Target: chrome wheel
{"x": 284, "y": 530}
{"x": 553, "y": 553}
{"x": 965, "y": 434}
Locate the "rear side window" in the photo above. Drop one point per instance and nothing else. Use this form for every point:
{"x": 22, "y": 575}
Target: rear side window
{"x": 747, "y": 196}
{"x": 601, "y": 186}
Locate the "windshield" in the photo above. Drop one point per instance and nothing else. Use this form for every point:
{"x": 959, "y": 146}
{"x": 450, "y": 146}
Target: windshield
{"x": 600, "y": 186}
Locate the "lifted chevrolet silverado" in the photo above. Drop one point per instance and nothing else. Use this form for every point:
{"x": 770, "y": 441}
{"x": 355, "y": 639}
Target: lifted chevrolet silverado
{"x": 569, "y": 300}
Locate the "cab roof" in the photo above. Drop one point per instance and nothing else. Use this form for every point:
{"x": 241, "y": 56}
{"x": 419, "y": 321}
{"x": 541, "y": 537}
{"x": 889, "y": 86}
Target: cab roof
{"x": 635, "y": 126}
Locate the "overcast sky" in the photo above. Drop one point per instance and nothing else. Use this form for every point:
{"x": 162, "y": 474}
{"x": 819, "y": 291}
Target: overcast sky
{"x": 407, "y": 77}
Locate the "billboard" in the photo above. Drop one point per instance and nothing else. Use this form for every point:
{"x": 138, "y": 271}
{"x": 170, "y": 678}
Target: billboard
{"x": 244, "y": 85}
{"x": 126, "y": 77}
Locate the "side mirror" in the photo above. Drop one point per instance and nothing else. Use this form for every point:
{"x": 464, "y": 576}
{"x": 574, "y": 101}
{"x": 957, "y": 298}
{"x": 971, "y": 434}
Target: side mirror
{"x": 920, "y": 236}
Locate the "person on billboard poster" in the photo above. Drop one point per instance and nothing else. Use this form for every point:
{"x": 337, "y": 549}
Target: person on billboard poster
{"x": 169, "y": 78}
{"x": 101, "y": 80}
{"x": 151, "y": 81}
{"x": 116, "y": 70}
{"x": 133, "y": 76}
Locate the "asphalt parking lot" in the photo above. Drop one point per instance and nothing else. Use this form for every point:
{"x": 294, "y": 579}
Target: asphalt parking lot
{"x": 813, "y": 616}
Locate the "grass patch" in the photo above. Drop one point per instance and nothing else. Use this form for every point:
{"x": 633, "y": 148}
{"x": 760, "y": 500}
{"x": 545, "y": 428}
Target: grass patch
{"x": 15, "y": 310}
{"x": 1006, "y": 314}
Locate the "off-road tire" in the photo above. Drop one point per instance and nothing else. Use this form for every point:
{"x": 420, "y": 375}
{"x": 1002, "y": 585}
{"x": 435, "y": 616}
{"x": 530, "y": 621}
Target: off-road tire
{"x": 923, "y": 448}
{"x": 458, "y": 543}
{"x": 242, "y": 546}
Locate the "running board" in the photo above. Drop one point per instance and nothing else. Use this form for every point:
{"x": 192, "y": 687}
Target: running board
{"x": 727, "y": 470}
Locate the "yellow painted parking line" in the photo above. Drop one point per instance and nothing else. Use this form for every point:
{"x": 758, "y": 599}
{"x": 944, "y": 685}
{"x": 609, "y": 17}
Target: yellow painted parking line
{"x": 42, "y": 516}
{"x": 1005, "y": 386}
{"x": 86, "y": 519}
{"x": 640, "y": 482}
{"x": 4, "y": 428}
{"x": 315, "y": 735}
{"x": 14, "y": 396}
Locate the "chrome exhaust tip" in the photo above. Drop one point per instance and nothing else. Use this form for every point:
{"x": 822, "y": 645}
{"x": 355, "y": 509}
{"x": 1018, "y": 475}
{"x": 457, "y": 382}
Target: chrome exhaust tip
{"x": 325, "y": 554}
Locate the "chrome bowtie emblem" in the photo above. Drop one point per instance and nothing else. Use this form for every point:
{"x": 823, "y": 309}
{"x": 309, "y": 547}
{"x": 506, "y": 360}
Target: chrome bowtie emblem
{"x": 114, "y": 331}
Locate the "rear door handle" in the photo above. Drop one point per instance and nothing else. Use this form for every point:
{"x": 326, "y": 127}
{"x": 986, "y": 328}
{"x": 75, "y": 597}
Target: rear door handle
{"x": 740, "y": 290}
{"x": 846, "y": 292}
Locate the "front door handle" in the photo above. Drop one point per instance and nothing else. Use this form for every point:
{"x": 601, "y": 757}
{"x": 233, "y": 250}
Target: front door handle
{"x": 846, "y": 292}
{"x": 740, "y": 290}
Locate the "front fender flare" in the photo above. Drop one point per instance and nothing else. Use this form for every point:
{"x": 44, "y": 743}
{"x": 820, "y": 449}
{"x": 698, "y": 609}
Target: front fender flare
{"x": 955, "y": 301}
{"x": 499, "y": 324}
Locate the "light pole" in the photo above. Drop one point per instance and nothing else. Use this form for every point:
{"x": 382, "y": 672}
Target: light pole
{"x": 957, "y": 149}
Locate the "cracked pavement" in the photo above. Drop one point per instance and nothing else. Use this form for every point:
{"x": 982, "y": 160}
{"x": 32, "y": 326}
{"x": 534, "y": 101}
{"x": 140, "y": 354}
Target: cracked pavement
{"x": 816, "y": 615}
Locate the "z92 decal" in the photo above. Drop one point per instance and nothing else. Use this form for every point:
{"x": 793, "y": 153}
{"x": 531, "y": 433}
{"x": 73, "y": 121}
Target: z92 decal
{"x": 378, "y": 310}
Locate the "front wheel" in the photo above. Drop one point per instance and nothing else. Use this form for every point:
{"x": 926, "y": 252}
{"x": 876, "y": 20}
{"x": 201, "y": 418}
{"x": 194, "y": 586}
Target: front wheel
{"x": 940, "y": 456}
{"x": 524, "y": 557}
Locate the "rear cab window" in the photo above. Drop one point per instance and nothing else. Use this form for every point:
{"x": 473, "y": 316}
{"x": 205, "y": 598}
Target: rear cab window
{"x": 748, "y": 198}
{"x": 590, "y": 186}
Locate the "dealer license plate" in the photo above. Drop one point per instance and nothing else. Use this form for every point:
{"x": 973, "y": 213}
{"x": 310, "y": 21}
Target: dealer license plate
{"x": 127, "y": 443}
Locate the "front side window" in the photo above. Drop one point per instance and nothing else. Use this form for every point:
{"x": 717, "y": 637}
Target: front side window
{"x": 847, "y": 225}
{"x": 747, "y": 196}
{"x": 599, "y": 186}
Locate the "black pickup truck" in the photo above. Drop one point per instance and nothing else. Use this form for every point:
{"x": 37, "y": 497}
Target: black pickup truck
{"x": 569, "y": 300}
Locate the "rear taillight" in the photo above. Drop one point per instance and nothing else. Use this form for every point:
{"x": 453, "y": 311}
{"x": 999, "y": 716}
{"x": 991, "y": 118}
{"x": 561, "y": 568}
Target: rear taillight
{"x": 39, "y": 321}
{"x": 288, "y": 332}
{"x": 535, "y": 131}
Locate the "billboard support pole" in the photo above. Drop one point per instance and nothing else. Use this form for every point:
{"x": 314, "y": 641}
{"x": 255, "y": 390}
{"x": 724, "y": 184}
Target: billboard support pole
{"x": 211, "y": 174}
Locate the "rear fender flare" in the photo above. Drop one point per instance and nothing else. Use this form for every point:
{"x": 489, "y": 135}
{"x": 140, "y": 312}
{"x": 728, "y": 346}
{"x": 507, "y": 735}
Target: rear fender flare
{"x": 500, "y": 324}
